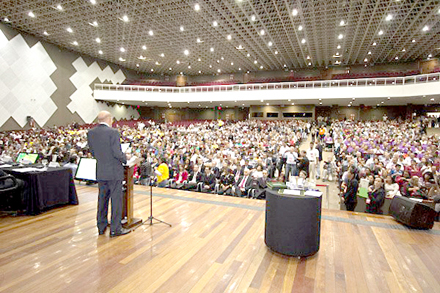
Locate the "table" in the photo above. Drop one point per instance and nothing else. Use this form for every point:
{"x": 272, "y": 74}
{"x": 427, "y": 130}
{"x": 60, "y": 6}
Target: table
{"x": 46, "y": 189}
{"x": 293, "y": 223}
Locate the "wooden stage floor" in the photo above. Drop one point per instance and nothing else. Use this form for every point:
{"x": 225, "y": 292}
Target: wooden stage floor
{"x": 216, "y": 244}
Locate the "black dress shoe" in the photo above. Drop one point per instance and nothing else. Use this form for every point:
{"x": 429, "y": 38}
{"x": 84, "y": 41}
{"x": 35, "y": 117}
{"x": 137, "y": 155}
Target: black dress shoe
{"x": 121, "y": 232}
{"x": 101, "y": 232}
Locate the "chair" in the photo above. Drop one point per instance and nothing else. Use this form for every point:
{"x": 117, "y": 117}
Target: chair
{"x": 8, "y": 195}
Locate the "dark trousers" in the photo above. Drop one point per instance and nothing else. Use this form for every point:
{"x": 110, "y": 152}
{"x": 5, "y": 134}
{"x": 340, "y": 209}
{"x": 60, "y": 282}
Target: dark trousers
{"x": 350, "y": 206}
{"x": 111, "y": 189}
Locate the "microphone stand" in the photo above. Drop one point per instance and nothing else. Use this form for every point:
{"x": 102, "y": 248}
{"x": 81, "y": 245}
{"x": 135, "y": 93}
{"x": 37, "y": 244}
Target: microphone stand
{"x": 150, "y": 219}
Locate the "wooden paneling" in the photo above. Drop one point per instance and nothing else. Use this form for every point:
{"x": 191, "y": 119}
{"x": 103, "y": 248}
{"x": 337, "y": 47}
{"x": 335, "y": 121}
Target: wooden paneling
{"x": 216, "y": 244}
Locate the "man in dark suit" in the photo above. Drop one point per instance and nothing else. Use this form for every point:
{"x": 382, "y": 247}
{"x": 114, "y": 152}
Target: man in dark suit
{"x": 303, "y": 164}
{"x": 104, "y": 143}
{"x": 350, "y": 193}
{"x": 209, "y": 181}
{"x": 244, "y": 183}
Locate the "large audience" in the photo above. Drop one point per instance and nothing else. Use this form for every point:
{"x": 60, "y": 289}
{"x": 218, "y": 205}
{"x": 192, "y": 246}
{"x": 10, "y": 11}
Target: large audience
{"x": 383, "y": 158}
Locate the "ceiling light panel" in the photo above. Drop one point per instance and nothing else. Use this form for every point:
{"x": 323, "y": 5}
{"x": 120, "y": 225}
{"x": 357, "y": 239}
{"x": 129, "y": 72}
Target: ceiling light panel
{"x": 321, "y": 22}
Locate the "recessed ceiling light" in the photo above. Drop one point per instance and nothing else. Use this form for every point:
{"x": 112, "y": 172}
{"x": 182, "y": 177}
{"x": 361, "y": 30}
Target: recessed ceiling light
{"x": 295, "y": 12}
{"x": 212, "y": 49}
{"x": 262, "y": 32}
{"x": 308, "y": 57}
{"x": 248, "y": 55}
{"x": 413, "y": 41}
{"x": 341, "y": 36}
{"x": 382, "y": 102}
{"x": 142, "y": 57}
{"x": 374, "y": 44}
{"x": 369, "y": 52}
{"x": 397, "y": 58}
{"x": 144, "y": 47}
{"x": 178, "y": 62}
{"x": 6, "y": 19}
{"x": 403, "y": 50}
{"x": 338, "y": 47}
{"x": 98, "y": 40}
{"x": 199, "y": 59}
{"x": 182, "y": 28}
{"x": 189, "y": 66}
{"x": 218, "y": 70}
{"x": 121, "y": 59}
{"x": 389, "y": 17}
{"x": 125, "y": 18}
{"x": 342, "y": 23}
{"x": 239, "y": 68}
{"x": 365, "y": 60}
{"x": 255, "y": 61}
{"x": 69, "y": 30}
{"x": 59, "y": 7}
{"x": 218, "y": 61}
{"x": 122, "y": 49}
{"x": 380, "y": 32}
{"x": 293, "y": 104}
{"x": 276, "y": 52}
{"x": 198, "y": 40}
{"x": 100, "y": 52}
{"x": 162, "y": 55}
{"x": 261, "y": 67}
{"x": 186, "y": 52}
{"x": 310, "y": 63}
{"x": 197, "y": 7}
{"x": 270, "y": 44}
{"x": 320, "y": 103}
{"x": 432, "y": 99}
{"x": 93, "y": 2}
{"x": 210, "y": 66}
{"x": 229, "y": 37}
{"x": 200, "y": 71}
{"x": 214, "y": 23}
{"x": 45, "y": 33}
{"x": 31, "y": 14}
{"x": 170, "y": 68}
{"x": 425, "y": 28}
{"x": 157, "y": 63}
{"x": 284, "y": 65}
{"x": 232, "y": 63}
{"x": 137, "y": 65}
{"x": 75, "y": 43}
{"x": 95, "y": 23}
{"x": 303, "y": 41}
{"x": 267, "y": 104}
{"x": 150, "y": 32}
{"x": 300, "y": 28}
{"x": 253, "y": 17}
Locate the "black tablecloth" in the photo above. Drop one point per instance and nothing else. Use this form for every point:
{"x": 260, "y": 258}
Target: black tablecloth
{"x": 293, "y": 223}
{"x": 45, "y": 189}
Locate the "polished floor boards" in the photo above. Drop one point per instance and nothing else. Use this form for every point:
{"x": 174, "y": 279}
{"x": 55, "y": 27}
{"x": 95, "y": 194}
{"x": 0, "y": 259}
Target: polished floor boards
{"x": 216, "y": 244}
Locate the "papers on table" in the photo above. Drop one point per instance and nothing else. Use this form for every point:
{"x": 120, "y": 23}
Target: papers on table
{"x": 30, "y": 169}
{"x": 292, "y": 192}
{"x": 416, "y": 199}
{"x": 5, "y": 166}
{"x": 313, "y": 193}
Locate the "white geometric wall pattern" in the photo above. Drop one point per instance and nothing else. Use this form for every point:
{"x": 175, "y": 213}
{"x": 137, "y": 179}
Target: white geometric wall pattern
{"x": 82, "y": 101}
{"x": 25, "y": 83}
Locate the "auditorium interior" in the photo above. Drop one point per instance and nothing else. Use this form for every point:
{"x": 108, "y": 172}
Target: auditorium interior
{"x": 284, "y": 107}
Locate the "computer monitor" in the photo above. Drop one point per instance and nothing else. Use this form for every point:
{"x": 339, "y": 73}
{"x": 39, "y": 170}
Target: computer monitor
{"x": 86, "y": 169}
{"x": 27, "y": 158}
{"x": 125, "y": 146}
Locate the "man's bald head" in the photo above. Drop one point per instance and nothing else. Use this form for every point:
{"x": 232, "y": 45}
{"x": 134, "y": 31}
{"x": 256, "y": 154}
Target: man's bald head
{"x": 106, "y": 117}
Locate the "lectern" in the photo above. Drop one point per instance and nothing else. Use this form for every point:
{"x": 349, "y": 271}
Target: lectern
{"x": 127, "y": 211}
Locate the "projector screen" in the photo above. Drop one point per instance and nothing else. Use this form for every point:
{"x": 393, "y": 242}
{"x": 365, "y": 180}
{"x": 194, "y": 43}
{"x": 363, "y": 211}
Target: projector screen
{"x": 86, "y": 169}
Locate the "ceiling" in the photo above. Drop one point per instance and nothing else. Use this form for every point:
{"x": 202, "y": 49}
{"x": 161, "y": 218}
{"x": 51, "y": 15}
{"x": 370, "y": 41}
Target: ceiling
{"x": 230, "y": 36}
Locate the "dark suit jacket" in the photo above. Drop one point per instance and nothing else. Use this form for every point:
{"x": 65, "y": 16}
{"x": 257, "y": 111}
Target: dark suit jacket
{"x": 351, "y": 193}
{"x": 104, "y": 143}
{"x": 247, "y": 184}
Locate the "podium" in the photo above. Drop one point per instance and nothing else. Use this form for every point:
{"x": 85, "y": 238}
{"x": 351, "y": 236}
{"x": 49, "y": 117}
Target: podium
{"x": 127, "y": 211}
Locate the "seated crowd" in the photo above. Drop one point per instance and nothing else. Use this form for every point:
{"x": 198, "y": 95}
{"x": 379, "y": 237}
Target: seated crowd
{"x": 239, "y": 158}
{"x": 386, "y": 158}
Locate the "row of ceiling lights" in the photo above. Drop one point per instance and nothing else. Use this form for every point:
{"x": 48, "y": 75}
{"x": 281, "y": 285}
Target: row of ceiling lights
{"x": 125, "y": 18}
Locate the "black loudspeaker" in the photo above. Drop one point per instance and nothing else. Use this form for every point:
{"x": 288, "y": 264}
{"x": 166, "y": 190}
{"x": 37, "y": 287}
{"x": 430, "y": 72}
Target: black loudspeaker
{"x": 412, "y": 213}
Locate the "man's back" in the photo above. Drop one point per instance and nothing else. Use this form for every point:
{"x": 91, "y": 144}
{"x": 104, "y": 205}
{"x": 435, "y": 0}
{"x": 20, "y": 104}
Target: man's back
{"x": 104, "y": 143}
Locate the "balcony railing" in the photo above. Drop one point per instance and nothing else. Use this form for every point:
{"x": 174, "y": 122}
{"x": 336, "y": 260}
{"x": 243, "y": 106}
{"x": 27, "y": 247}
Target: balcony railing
{"x": 361, "y": 82}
